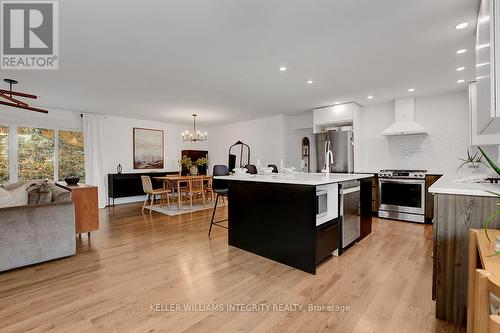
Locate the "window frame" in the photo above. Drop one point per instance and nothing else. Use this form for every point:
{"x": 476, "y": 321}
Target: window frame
{"x": 9, "y": 150}
{"x": 13, "y": 146}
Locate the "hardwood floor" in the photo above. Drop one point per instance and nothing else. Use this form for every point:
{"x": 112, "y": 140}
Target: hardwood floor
{"x": 137, "y": 260}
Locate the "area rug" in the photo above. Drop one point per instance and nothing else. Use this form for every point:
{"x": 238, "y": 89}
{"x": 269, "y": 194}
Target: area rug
{"x": 173, "y": 208}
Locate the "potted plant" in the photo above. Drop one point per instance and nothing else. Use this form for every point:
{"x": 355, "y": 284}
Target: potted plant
{"x": 202, "y": 163}
{"x": 473, "y": 162}
{"x": 187, "y": 163}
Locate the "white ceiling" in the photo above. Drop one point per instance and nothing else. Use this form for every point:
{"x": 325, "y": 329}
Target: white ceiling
{"x": 164, "y": 60}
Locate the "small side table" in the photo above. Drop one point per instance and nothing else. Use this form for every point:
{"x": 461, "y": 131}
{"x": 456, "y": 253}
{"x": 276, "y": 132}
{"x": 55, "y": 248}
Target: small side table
{"x": 84, "y": 198}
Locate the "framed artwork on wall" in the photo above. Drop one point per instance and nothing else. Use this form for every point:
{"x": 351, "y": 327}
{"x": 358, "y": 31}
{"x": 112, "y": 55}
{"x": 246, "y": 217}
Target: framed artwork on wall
{"x": 148, "y": 148}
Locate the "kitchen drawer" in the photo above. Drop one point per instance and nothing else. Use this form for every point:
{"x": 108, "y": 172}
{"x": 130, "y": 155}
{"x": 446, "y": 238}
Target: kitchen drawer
{"x": 327, "y": 240}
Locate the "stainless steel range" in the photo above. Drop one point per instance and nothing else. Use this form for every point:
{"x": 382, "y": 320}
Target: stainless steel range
{"x": 401, "y": 195}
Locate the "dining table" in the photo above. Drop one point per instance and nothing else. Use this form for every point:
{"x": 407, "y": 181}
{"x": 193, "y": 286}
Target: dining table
{"x": 178, "y": 180}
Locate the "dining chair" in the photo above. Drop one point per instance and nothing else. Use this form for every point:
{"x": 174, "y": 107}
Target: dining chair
{"x": 221, "y": 188}
{"x": 251, "y": 169}
{"x": 486, "y": 317}
{"x": 194, "y": 188}
{"x": 151, "y": 193}
{"x": 275, "y": 168}
{"x": 209, "y": 187}
{"x": 494, "y": 324}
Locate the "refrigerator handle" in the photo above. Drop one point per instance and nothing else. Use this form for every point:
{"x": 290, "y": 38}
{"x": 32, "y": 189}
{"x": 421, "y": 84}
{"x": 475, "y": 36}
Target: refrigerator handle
{"x": 350, "y": 154}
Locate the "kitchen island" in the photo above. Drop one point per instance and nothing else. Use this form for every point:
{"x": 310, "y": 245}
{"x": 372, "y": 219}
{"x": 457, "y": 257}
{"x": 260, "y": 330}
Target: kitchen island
{"x": 458, "y": 206}
{"x": 276, "y": 216}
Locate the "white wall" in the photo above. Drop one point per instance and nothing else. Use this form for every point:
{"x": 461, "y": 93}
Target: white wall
{"x": 265, "y": 136}
{"x": 118, "y": 143}
{"x": 54, "y": 119}
{"x": 445, "y": 117}
{"x": 296, "y": 128}
{"x": 118, "y": 146}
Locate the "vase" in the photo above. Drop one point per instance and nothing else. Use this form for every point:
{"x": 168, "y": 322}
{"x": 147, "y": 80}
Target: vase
{"x": 193, "y": 171}
{"x": 472, "y": 170}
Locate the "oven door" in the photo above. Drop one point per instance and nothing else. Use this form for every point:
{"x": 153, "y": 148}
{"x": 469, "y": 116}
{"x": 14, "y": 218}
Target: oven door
{"x": 402, "y": 195}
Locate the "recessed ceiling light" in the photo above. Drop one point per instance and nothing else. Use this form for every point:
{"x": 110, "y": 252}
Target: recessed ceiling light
{"x": 462, "y": 26}
{"x": 336, "y": 103}
{"x": 482, "y": 64}
{"x": 459, "y": 69}
{"x": 370, "y": 97}
{"x": 461, "y": 51}
{"x": 282, "y": 68}
{"x": 309, "y": 82}
{"x": 411, "y": 90}
{"x": 482, "y": 77}
{"x": 461, "y": 81}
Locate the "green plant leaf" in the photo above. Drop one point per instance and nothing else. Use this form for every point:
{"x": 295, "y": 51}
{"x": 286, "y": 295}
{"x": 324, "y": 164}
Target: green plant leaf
{"x": 490, "y": 161}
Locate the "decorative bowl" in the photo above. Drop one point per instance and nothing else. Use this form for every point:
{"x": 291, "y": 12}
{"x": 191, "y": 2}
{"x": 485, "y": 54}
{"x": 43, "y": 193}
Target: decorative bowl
{"x": 288, "y": 170}
{"x": 266, "y": 171}
{"x": 240, "y": 171}
{"x": 72, "y": 180}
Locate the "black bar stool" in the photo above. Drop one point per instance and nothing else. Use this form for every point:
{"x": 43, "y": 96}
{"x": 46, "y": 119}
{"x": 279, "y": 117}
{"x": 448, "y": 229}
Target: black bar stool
{"x": 275, "y": 168}
{"x": 251, "y": 169}
{"x": 220, "y": 187}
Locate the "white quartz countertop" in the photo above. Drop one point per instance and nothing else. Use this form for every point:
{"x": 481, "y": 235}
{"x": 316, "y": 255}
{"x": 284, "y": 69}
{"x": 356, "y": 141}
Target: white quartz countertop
{"x": 299, "y": 178}
{"x": 449, "y": 184}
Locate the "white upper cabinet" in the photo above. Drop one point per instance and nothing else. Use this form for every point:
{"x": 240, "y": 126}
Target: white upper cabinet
{"x": 335, "y": 115}
{"x": 485, "y": 93}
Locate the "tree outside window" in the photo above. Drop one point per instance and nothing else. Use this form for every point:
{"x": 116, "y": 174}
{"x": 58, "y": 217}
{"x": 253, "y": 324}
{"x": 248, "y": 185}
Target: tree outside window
{"x": 35, "y": 153}
{"x": 71, "y": 157}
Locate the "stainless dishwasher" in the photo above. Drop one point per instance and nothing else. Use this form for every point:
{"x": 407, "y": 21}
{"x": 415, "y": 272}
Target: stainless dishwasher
{"x": 350, "y": 227}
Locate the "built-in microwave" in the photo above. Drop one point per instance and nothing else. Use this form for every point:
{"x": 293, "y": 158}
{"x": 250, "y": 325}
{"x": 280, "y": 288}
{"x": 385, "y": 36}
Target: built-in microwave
{"x": 321, "y": 203}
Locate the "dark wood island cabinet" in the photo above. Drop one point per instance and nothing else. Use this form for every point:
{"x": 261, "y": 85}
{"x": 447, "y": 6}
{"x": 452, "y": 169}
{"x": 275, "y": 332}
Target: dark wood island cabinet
{"x": 275, "y": 216}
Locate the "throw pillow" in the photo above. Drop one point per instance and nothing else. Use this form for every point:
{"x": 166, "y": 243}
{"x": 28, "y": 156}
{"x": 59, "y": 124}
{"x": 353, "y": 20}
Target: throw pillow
{"x": 33, "y": 194}
{"x": 13, "y": 186}
{"x": 45, "y": 194}
{"x": 15, "y": 197}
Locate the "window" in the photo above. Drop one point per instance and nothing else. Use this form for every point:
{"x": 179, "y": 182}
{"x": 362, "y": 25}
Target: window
{"x": 4, "y": 154}
{"x": 35, "y": 153}
{"x": 40, "y": 153}
{"x": 71, "y": 162}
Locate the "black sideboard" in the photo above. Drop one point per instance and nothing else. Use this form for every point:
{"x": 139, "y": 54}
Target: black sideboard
{"x": 122, "y": 185}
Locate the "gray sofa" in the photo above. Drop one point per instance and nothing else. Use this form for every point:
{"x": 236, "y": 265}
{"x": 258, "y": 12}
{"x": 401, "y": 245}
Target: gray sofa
{"x": 36, "y": 233}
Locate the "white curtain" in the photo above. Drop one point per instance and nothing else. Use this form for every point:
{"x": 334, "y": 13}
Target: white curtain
{"x": 93, "y": 134}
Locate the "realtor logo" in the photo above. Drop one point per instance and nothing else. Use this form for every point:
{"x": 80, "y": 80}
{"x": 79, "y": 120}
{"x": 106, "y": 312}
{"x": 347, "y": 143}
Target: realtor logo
{"x": 30, "y": 35}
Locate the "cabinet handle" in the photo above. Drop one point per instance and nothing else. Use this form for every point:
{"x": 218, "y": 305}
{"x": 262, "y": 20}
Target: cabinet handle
{"x": 330, "y": 228}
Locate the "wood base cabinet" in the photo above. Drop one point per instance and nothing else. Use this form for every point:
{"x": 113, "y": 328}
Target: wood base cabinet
{"x": 84, "y": 198}
{"x": 454, "y": 215}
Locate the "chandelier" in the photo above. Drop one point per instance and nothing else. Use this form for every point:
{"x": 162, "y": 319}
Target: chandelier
{"x": 14, "y": 101}
{"x": 195, "y": 135}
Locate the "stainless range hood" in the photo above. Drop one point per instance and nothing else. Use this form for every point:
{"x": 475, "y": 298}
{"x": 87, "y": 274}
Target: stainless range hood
{"x": 404, "y": 123}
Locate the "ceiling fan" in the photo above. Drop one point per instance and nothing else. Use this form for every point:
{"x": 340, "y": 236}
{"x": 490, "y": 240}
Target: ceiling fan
{"x": 14, "y": 102}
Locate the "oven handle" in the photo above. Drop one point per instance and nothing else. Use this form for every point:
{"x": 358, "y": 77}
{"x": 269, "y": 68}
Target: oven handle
{"x": 350, "y": 190}
{"x": 405, "y": 181}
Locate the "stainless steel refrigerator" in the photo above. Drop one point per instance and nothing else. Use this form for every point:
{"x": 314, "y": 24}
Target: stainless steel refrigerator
{"x": 342, "y": 147}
